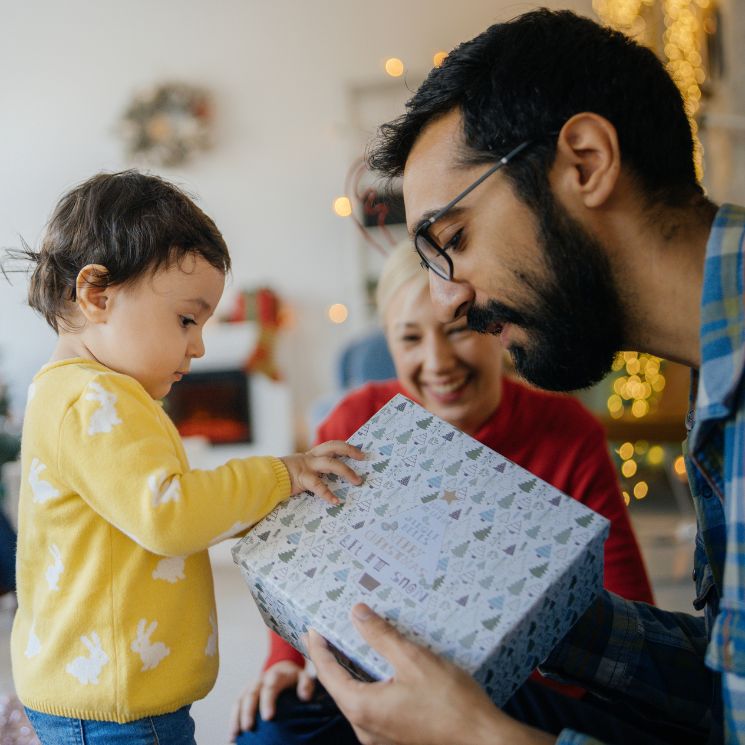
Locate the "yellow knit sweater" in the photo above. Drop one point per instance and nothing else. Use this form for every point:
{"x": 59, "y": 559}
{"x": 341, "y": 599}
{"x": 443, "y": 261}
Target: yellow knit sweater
{"x": 116, "y": 613}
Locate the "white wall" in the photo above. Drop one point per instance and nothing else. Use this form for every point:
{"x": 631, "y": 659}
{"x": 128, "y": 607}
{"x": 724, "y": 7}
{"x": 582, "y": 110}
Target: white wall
{"x": 280, "y": 72}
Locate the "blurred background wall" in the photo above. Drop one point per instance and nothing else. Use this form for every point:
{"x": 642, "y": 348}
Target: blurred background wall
{"x": 283, "y": 76}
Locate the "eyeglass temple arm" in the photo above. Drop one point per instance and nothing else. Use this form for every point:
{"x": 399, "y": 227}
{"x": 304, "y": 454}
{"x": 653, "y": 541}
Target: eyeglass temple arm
{"x": 503, "y": 161}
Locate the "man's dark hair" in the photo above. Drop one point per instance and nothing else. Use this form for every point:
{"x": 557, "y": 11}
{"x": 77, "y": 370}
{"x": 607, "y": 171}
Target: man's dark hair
{"x": 129, "y": 222}
{"x": 523, "y": 79}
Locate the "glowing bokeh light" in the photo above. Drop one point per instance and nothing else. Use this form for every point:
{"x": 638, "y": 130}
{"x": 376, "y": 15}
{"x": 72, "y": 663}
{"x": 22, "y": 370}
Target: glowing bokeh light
{"x": 394, "y": 67}
{"x": 342, "y": 206}
{"x": 338, "y": 313}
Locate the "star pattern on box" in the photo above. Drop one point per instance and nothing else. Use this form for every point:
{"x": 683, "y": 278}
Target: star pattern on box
{"x": 460, "y": 548}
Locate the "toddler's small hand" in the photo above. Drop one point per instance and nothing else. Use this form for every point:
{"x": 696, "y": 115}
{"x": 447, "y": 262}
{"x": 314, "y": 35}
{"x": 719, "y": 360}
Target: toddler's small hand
{"x": 305, "y": 469}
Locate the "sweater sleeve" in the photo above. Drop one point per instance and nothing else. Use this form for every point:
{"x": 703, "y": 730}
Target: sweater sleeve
{"x": 120, "y": 457}
{"x": 596, "y": 485}
{"x": 280, "y": 650}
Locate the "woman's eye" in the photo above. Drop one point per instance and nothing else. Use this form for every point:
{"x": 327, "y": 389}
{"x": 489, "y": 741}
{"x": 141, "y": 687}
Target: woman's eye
{"x": 410, "y": 339}
{"x": 186, "y": 321}
{"x": 459, "y": 330}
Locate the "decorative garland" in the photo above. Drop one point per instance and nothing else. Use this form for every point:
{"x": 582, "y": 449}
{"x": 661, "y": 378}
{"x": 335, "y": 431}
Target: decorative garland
{"x": 166, "y": 124}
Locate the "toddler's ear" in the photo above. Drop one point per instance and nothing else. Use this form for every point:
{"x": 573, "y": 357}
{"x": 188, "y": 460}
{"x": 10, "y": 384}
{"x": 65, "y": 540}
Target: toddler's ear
{"x": 92, "y": 292}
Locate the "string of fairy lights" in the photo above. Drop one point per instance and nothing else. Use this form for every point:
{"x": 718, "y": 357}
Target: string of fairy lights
{"x": 680, "y": 42}
{"x": 344, "y": 205}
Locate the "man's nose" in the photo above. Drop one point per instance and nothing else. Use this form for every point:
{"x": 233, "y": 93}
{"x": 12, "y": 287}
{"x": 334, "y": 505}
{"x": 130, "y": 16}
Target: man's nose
{"x": 451, "y": 299}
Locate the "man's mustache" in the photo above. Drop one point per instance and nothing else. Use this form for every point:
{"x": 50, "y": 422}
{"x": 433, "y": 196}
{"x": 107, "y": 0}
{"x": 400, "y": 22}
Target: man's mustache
{"x": 489, "y": 318}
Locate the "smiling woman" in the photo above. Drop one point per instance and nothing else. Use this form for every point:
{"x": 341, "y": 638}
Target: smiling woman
{"x": 452, "y": 371}
{"x": 456, "y": 374}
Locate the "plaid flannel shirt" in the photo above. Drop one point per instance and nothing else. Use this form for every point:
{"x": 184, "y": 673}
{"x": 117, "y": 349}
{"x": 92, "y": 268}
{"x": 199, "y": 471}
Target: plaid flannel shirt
{"x": 675, "y": 667}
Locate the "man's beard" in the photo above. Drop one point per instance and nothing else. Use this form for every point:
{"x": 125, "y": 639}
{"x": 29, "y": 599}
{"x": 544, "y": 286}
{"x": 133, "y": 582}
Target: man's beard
{"x": 575, "y": 323}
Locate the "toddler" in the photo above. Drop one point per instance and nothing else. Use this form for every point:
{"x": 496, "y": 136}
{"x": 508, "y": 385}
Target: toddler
{"x": 116, "y": 630}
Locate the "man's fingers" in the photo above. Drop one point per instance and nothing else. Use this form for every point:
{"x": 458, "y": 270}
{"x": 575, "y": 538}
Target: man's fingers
{"x": 334, "y": 677}
{"x": 382, "y": 637}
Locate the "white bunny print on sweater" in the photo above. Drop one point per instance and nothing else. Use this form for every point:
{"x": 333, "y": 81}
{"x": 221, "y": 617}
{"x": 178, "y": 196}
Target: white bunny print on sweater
{"x": 234, "y": 529}
{"x": 33, "y": 647}
{"x": 151, "y": 653}
{"x": 171, "y": 569}
{"x": 54, "y": 571}
{"x": 42, "y": 490}
{"x": 87, "y": 669}
{"x": 211, "y": 647}
{"x": 105, "y": 418}
{"x": 163, "y": 490}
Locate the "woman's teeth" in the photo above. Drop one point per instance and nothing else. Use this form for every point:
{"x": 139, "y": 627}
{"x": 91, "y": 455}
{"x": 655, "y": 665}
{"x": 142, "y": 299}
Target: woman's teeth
{"x": 440, "y": 388}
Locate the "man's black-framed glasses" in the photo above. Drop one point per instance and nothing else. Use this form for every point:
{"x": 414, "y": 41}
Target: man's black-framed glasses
{"x": 436, "y": 257}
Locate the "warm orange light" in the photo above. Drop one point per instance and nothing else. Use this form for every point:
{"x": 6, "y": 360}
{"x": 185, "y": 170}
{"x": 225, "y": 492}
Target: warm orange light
{"x": 338, "y": 313}
{"x": 628, "y": 469}
{"x": 615, "y": 403}
{"x": 394, "y": 67}
{"x": 439, "y": 58}
{"x": 641, "y": 489}
{"x": 680, "y": 465}
{"x": 342, "y": 206}
{"x": 656, "y": 455}
{"x": 626, "y": 450}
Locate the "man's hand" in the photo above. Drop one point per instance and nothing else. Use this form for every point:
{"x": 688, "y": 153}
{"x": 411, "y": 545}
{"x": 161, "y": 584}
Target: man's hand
{"x": 428, "y": 701}
{"x": 305, "y": 469}
{"x": 262, "y": 694}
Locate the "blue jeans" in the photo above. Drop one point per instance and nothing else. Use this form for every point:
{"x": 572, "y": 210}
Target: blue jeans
{"x": 319, "y": 721}
{"x": 176, "y": 728}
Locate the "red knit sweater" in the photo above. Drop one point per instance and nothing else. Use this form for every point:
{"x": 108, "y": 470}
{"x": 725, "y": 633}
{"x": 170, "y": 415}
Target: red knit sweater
{"x": 552, "y": 436}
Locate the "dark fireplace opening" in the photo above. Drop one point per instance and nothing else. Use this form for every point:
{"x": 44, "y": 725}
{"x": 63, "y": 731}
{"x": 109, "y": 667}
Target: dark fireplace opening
{"x": 214, "y": 405}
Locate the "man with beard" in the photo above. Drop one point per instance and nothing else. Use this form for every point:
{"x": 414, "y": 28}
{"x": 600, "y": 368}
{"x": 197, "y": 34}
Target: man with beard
{"x": 551, "y": 193}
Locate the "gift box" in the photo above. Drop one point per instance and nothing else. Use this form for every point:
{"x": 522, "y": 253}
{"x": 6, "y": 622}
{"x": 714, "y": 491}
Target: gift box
{"x": 459, "y": 548}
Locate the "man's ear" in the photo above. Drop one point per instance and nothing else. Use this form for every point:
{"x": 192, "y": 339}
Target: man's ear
{"x": 92, "y": 293}
{"x": 588, "y": 161}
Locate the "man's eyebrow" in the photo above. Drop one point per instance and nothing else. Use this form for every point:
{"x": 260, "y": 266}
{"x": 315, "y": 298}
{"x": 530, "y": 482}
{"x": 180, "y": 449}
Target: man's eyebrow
{"x": 429, "y": 214}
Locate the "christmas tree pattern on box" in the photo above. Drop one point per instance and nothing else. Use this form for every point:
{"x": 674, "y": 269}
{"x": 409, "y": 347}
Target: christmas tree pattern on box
{"x": 461, "y": 549}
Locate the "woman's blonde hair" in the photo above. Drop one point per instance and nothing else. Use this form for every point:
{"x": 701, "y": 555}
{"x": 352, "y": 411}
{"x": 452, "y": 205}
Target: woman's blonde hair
{"x": 401, "y": 267}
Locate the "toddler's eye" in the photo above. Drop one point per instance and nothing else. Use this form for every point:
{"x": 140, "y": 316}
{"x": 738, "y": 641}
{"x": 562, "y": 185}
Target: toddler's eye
{"x": 186, "y": 321}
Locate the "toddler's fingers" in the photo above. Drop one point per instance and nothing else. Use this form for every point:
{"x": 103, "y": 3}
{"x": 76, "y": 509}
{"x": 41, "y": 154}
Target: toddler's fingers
{"x": 321, "y": 490}
{"x": 324, "y": 464}
{"x": 338, "y": 448}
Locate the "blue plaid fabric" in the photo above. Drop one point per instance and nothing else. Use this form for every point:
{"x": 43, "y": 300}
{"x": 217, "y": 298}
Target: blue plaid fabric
{"x": 671, "y": 666}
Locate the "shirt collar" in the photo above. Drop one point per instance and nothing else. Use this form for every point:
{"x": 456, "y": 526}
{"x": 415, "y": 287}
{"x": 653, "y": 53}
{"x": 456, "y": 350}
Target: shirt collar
{"x": 722, "y": 316}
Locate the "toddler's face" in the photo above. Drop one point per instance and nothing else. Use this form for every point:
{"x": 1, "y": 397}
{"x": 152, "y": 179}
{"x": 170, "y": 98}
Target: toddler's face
{"x": 154, "y": 326}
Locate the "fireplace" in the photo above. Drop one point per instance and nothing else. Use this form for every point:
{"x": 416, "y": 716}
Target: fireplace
{"x": 215, "y": 405}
